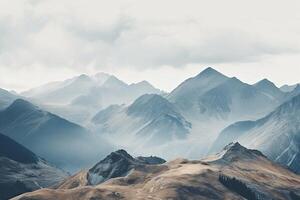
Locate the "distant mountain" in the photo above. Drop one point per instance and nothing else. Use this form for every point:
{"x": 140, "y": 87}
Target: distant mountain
{"x": 234, "y": 99}
{"x": 22, "y": 171}
{"x": 276, "y": 135}
{"x": 269, "y": 88}
{"x": 76, "y": 99}
{"x": 234, "y": 173}
{"x": 6, "y": 98}
{"x": 151, "y": 118}
{"x": 288, "y": 88}
{"x": 198, "y": 108}
{"x": 214, "y": 96}
{"x": 187, "y": 94}
{"x": 117, "y": 164}
{"x": 293, "y": 93}
{"x": 51, "y": 137}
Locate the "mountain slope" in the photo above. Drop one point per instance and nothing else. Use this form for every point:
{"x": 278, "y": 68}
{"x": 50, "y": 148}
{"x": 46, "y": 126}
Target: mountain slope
{"x": 22, "y": 171}
{"x": 6, "y": 98}
{"x": 51, "y": 137}
{"x": 277, "y": 135}
{"x": 186, "y": 95}
{"x": 151, "y": 118}
{"x": 235, "y": 100}
{"x": 270, "y": 89}
{"x": 234, "y": 173}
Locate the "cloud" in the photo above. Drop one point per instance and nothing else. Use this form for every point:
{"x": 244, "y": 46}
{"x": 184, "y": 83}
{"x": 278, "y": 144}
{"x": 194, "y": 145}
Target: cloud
{"x": 150, "y": 50}
{"x": 140, "y": 35}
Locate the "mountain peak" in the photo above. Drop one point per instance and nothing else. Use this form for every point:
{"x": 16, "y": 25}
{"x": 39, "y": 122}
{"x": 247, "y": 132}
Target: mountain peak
{"x": 265, "y": 83}
{"x": 113, "y": 81}
{"x": 234, "y": 151}
{"x": 209, "y": 72}
{"x": 143, "y": 83}
{"x": 149, "y": 102}
{"x": 101, "y": 77}
{"x": 122, "y": 153}
{"x": 234, "y": 147}
{"x": 22, "y": 105}
{"x": 116, "y": 164}
{"x": 82, "y": 77}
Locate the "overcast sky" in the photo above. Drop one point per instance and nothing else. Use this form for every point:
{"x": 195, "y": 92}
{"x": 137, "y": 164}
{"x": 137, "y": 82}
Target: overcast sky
{"x": 162, "y": 41}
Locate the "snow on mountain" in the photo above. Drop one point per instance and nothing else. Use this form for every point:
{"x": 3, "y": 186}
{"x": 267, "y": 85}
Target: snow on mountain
{"x": 276, "y": 135}
{"x": 59, "y": 141}
{"x": 151, "y": 119}
{"x": 234, "y": 173}
{"x": 22, "y": 171}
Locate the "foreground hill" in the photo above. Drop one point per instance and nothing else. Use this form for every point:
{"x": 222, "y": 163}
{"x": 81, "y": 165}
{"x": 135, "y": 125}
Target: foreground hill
{"x": 116, "y": 164}
{"x": 22, "y": 171}
{"x": 50, "y": 136}
{"x": 234, "y": 173}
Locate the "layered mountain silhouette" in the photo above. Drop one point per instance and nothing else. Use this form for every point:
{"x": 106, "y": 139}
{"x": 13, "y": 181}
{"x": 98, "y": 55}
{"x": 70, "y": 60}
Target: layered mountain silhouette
{"x": 76, "y": 99}
{"x": 150, "y": 118}
{"x": 22, "y": 171}
{"x": 212, "y": 95}
{"x": 276, "y": 135}
{"x": 198, "y": 109}
{"x": 234, "y": 173}
{"x": 50, "y": 136}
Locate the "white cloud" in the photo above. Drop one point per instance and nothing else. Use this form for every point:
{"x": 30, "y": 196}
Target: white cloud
{"x": 54, "y": 36}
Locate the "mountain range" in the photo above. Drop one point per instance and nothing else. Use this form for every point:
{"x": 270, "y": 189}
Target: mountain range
{"x": 197, "y": 110}
{"x": 57, "y": 140}
{"x": 212, "y": 95}
{"x": 22, "y": 171}
{"x": 234, "y": 173}
{"x": 73, "y": 123}
{"x": 76, "y": 99}
{"x": 277, "y": 135}
{"x": 151, "y": 119}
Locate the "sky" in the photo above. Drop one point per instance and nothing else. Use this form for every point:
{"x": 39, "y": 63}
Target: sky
{"x": 161, "y": 41}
